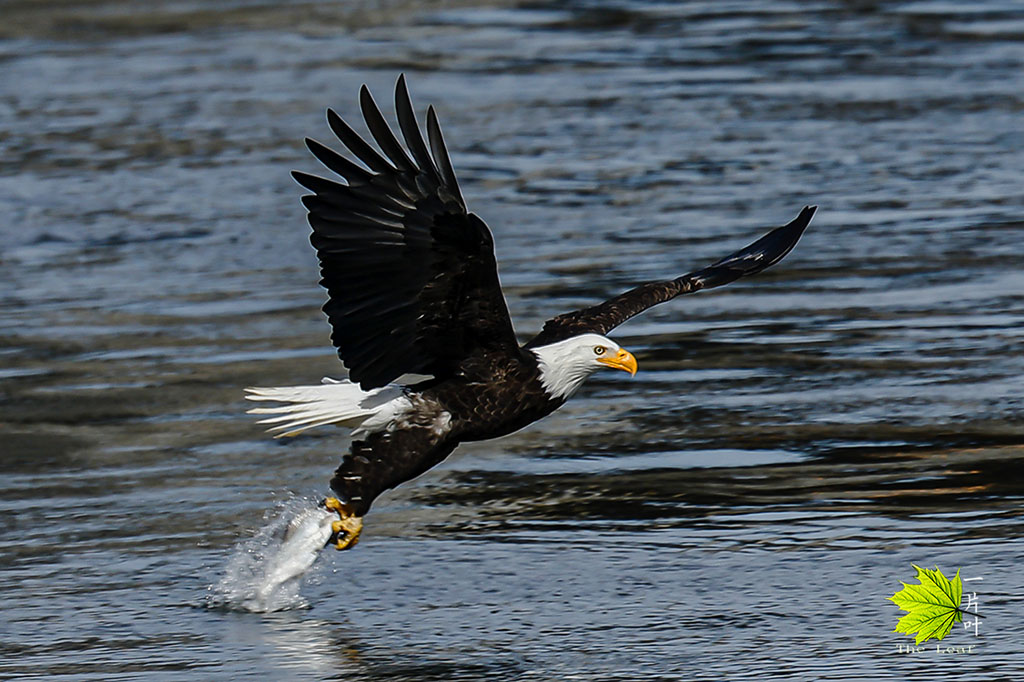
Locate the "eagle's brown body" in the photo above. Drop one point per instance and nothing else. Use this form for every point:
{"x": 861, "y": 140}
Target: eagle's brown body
{"x": 493, "y": 403}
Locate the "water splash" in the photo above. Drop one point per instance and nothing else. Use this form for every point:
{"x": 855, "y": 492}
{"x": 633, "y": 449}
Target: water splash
{"x": 265, "y": 572}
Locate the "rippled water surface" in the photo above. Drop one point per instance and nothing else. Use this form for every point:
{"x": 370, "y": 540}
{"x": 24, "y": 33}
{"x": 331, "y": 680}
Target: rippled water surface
{"x": 739, "y": 510}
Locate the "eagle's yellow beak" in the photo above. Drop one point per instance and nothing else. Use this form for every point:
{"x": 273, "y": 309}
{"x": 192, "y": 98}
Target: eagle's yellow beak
{"x": 623, "y": 360}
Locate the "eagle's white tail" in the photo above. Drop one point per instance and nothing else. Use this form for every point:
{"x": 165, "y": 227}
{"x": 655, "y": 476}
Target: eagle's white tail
{"x": 334, "y": 402}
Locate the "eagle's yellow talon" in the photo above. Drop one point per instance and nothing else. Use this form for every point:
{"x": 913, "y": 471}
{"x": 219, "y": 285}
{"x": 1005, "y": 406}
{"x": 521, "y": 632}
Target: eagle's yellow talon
{"x": 347, "y": 531}
{"x": 347, "y": 528}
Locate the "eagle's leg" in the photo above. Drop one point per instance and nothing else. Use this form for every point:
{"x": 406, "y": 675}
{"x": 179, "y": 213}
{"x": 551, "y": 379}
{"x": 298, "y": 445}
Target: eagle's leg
{"x": 347, "y": 528}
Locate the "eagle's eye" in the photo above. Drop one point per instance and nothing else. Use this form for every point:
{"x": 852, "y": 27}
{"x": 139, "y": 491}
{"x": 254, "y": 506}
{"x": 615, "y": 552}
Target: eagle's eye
{"x": 599, "y": 350}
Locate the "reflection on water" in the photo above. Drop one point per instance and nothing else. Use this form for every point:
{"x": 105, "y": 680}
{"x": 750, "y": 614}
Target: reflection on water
{"x": 740, "y": 509}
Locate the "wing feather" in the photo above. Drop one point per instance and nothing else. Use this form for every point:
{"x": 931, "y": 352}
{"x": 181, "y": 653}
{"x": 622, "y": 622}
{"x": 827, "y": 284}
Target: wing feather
{"x": 337, "y": 163}
{"x": 411, "y": 133}
{"x": 602, "y": 318}
{"x": 355, "y": 144}
{"x": 440, "y": 153}
{"x": 411, "y": 276}
{"x": 381, "y": 132}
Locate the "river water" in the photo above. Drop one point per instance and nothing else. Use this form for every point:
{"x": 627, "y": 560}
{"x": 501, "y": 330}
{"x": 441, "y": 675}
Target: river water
{"x": 741, "y": 509}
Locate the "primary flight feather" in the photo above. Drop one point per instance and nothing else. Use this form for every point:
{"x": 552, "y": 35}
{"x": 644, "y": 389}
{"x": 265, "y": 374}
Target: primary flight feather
{"x": 413, "y": 288}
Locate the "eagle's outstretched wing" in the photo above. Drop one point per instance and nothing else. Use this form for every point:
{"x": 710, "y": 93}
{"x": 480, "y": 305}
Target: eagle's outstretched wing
{"x": 602, "y": 318}
{"x": 411, "y": 276}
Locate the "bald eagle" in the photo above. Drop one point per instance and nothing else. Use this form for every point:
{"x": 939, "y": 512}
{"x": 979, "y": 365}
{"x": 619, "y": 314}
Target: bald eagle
{"x": 413, "y": 288}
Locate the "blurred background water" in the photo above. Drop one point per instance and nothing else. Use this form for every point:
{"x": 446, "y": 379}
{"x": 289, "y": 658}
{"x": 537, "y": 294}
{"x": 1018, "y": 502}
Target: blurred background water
{"x": 740, "y": 510}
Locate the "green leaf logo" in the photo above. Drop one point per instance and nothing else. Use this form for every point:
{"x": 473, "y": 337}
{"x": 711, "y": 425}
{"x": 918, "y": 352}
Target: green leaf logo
{"x": 932, "y": 607}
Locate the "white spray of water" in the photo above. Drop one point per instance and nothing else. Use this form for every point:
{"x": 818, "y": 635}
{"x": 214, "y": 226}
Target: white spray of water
{"x": 265, "y": 571}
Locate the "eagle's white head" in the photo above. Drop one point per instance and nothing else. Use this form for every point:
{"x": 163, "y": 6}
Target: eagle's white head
{"x": 565, "y": 365}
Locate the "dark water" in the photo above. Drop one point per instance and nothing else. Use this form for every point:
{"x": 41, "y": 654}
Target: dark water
{"x": 740, "y": 510}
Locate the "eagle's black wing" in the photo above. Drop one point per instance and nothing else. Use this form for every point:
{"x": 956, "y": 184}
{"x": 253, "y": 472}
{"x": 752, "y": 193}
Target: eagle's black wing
{"x": 411, "y": 276}
{"x": 602, "y": 318}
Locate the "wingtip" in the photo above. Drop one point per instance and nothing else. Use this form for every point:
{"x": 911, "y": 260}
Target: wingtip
{"x": 316, "y": 148}
{"x": 791, "y": 233}
{"x": 334, "y": 120}
{"x": 367, "y": 98}
{"x": 402, "y": 98}
{"x": 801, "y": 221}
{"x": 304, "y": 180}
